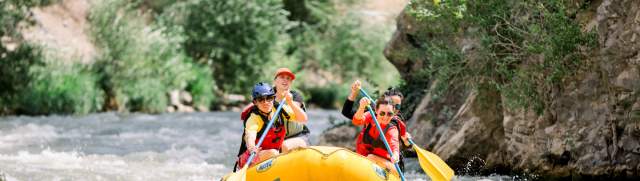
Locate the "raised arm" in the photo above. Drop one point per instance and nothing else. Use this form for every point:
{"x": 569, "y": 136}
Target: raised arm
{"x": 359, "y": 118}
{"x": 347, "y": 108}
{"x": 355, "y": 89}
{"x": 299, "y": 114}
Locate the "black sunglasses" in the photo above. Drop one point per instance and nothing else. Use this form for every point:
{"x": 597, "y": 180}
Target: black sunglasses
{"x": 382, "y": 113}
{"x": 265, "y": 99}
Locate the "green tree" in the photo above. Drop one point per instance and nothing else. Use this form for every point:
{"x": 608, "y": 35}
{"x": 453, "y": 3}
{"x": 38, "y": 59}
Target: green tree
{"x": 527, "y": 48}
{"x": 141, "y": 62}
{"x": 58, "y": 88}
{"x": 15, "y": 62}
{"x": 236, "y": 38}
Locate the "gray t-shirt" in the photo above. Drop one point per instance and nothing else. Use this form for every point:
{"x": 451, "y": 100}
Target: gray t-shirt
{"x": 295, "y": 128}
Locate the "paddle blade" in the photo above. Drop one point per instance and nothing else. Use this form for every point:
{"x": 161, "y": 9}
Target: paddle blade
{"x": 240, "y": 175}
{"x": 435, "y": 167}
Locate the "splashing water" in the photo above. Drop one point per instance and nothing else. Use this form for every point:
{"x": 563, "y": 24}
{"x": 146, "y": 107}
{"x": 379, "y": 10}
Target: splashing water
{"x": 110, "y": 146}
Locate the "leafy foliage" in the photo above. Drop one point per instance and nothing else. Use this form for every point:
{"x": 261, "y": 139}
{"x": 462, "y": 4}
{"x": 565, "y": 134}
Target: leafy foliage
{"x": 235, "y": 38}
{"x": 16, "y": 57}
{"x": 59, "y": 88}
{"x": 140, "y": 64}
{"x": 149, "y": 48}
{"x": 527, "y": 47}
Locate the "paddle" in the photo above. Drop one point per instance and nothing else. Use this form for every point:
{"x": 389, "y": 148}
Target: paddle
{"x": 433, "y": 165}
{"x": 384, "y": 139}
{"x": 430, "y": 163}
{"x": 241, "y": 174}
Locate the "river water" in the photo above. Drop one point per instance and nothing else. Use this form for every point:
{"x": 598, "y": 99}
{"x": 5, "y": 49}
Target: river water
{"x": 113, "y": 146}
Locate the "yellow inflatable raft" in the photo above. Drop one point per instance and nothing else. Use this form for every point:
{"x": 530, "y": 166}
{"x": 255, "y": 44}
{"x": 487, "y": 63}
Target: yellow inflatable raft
{"x": 320, "y": 163}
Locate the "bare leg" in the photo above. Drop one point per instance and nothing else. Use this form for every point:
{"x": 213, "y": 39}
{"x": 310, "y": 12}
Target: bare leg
{"x": 384, "y": 163}
{"x": 264, "y": 155}
{"x": 293, "y": 143}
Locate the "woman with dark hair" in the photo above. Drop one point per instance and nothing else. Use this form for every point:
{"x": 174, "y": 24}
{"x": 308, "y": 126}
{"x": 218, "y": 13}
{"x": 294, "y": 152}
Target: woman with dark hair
{"x": 369, "y": 142}
{"x": 395, "y": 97}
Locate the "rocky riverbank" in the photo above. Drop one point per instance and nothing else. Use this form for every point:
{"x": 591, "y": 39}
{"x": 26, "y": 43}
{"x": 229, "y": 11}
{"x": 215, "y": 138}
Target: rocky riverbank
{"x": 588, "y": 128}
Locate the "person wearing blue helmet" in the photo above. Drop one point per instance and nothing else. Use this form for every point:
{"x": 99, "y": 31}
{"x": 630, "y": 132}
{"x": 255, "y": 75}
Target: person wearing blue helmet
{"x": 255, "y": 124}
{"x": 297, "y": 135}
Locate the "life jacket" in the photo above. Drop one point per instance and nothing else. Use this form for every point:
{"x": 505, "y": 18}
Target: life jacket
{"x": 402, "y": 130}
{"x": 275, "y": 135}
{"x": 401, "y": 127}
{"x": 244, "y": 115}
{"x": 372, "y": 144}
{"x": 291, "y": 132}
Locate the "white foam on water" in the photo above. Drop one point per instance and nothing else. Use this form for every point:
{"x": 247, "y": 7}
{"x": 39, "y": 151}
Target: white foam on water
{"x": 27, "y": 135}
{"x": 52, "y": 165}
{"x": 137, "y": 136}
{"x": 7, "y": 177}
{"x": 186, "y": 155}
{"x": 134, "y": 147}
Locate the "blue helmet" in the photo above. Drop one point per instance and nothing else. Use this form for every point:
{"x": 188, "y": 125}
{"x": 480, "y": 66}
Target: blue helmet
{"x": 261, "y": 90}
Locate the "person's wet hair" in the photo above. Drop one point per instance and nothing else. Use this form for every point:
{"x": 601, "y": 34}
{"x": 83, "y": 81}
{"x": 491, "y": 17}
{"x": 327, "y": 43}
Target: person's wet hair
{"x": 392, "y": 91}
{"x": 383, "y": 100}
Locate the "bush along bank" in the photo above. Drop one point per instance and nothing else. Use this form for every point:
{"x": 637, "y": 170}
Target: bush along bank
{"x": 150, "y": 51}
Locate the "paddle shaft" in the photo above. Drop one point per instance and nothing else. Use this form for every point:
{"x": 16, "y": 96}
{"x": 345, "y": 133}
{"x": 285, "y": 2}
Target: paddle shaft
{"x": 275, "y": 116}
{"x": 384, "y": 139}
{"x": 367, "y": 96}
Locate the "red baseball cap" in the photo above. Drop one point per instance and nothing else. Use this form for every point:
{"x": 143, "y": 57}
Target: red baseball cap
{"x": 285, "y": 71}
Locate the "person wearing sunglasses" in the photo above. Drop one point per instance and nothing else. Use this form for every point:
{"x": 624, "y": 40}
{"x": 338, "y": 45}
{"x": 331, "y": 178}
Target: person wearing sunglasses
{"x": 369, "y": 143}
{"x": 396, "y": 99}
{"x": 255, "y": 124}
{"x": 394, "y": 94}
{"x": 297, "y": 134}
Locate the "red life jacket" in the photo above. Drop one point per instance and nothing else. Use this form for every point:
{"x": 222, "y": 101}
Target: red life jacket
{"x": 402, "y": 128}
{"x": 246, "y": 112}
{"x": 275, "y": 135}
{"x": 244, "y": 115}
{"x": 372, "y": 144}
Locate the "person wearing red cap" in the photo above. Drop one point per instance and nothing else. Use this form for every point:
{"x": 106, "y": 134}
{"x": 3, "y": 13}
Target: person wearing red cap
{"x": 297, "y": 133}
